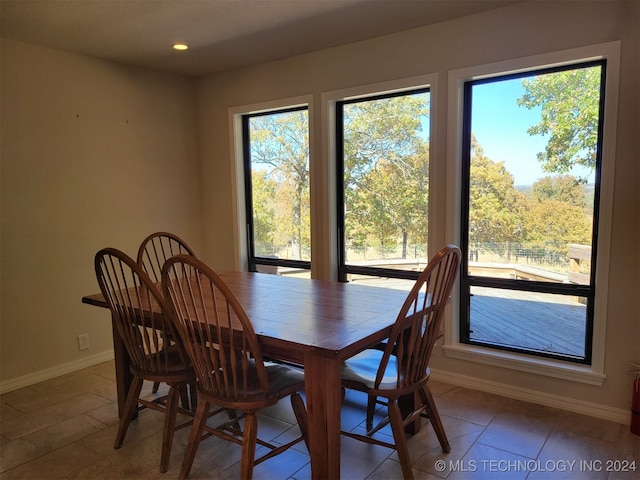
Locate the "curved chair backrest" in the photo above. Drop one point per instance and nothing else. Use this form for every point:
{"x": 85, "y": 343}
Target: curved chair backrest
{"x": 216, "y": 332}
{"x": 419, "y": 322}
{"x": 157, "y": 248}
{"x": 139, "y": 311}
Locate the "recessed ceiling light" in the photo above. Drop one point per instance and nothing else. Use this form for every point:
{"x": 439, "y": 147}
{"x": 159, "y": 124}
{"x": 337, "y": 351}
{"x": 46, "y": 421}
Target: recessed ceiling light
{"x": 180, "y": 46}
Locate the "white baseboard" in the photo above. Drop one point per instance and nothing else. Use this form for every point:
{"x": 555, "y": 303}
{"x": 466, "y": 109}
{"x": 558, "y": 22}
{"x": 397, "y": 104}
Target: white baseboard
{"x": 53, "y": 372}
{"x": 604, "y": 412}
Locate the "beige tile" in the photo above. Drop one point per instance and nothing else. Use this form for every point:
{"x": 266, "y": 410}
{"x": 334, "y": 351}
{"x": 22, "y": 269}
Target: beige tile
{"x": 473, "y": 406}
{"x": 440, "y": 388}
{"x": 78, "y": 404}
{"x": 107, "y": 414}
{"x": 588, "y": 426}
{"x": 487, "y": 462}
{"x": 626, "y": 458}
{"x": 58, "y": 464}
{"x": 283, "y": 466}
{"x": 32, "y": 422}
{"x": 51, "y": 414}
{"x": 131, "y": 461}
{"x": 517, "y": 433}
{"x": 213, "y": 457}
{"x": 107, "y": 390}
{"x": 67, "y": 386}
{"x": 430, "y": 460}
{"x": 17, "y": 398}
{"x": 567, "y": 455}
{"x": 358, "y": 460}
{"x": 64, "y": 433}
{"x": 390, "y": 469}
{"x": 7, "y": 412}
{"x": 106, "y": 370}
{"x": 148, "y": 424}
{"x": 627, "y": 445}
{"x": 66, "y": 427}
{"x": 16, "y": 452}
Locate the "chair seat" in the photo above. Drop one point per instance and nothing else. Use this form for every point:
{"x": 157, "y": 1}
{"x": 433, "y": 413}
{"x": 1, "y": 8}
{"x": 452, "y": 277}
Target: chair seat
{"x": 283, "y": 381}
{"x": 171, "y": 368}
{"x": 363, "y": 368}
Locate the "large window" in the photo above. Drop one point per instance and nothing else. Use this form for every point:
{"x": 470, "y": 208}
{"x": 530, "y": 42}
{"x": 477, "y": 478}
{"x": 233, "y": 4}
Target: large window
{"x": 383, "y": 190}
{"x": 276, "y": 166}
{"x": 531, "y": 170}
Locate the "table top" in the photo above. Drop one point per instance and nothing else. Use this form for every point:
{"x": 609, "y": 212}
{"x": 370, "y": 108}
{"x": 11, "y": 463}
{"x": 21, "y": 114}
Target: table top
{"x": 331, "y": 318}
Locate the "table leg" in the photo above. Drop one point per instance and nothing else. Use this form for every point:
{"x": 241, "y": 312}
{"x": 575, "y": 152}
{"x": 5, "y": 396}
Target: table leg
{"x": 324, "y": 401}
{"x": 123, "y": 372}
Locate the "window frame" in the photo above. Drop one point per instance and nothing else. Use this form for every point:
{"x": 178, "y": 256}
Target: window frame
{"x": 453, "y": 345}
{"x": 253, "y": 260}
{"x": 239, "y": 174}
{"x": 467, "y": 281}
{"x": 343, "y": 268}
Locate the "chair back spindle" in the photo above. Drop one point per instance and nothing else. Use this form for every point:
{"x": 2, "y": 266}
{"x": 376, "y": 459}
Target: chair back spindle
{"x": 156, "y": 249}
{"x": 129, "y": 292}
{"x": 216, "y": 332}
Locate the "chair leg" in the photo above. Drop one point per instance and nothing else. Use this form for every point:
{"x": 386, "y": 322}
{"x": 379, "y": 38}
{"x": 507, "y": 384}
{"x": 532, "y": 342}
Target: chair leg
{"x": 300, "y": 412}
{"x": 185, "y": 401}
{"x": 232, "y": 414}
{"x": 194, "y": 438}
{"x": 399, "y": 435}
{"x": 169, "y": 427}
{"x": 193, "y": 395}
{"x": 371, "y": 409}
{"x": 434, "y": 417}
{"x": 249, "y": 438}
{"x": 130, "y": 408}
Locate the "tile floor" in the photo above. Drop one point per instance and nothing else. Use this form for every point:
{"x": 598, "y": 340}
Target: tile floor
{"x": 64, "y": 429}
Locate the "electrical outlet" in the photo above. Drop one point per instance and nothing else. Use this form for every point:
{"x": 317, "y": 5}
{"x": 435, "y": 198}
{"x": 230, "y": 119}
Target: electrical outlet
{"x": 83, "y": 341}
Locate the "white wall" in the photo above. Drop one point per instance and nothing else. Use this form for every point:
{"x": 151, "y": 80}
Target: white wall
{"x": 522, "y": 30}
{"x": 94, "y": 154}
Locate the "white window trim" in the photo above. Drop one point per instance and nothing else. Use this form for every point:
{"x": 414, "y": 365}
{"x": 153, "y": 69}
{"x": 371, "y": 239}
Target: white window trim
{"x": 590, "y": 374}
{"x": 328, "y": 139}
{"x": 235, "y": 114}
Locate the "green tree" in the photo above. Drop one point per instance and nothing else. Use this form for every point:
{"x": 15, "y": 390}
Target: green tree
{"x": 570, "y": 102}
{"x": 494, "y": 203}
{"x": 393, "y": 199}
{"x": 563, "y": 188}
{"x": 551, "y": 225}
{"x": 280, "y": 147}
{"x": 386, "y": 163}
{"x": 264, "y": 218}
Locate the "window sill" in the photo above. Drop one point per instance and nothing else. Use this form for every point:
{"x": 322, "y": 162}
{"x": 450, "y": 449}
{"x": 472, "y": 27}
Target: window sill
{"x": 524, "y": 363}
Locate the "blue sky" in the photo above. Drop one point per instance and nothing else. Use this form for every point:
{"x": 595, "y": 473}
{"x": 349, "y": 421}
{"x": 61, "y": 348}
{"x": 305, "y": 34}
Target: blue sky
{"x": 500, "y": 126}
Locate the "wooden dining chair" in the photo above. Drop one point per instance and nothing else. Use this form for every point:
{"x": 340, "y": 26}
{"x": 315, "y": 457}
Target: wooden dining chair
{"x": 152, "y": 253}
{"x": 157, "y": 248}
{"x": 231, "y": 372}
{"x": 402, "y": 368}
{"x": 129, "y": 291}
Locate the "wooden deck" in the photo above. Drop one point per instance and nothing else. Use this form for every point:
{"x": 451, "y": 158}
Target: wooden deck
{"x": 536, "y": 321}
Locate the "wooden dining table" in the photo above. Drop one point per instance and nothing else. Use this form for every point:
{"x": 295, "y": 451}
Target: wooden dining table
{"x": 314, "y": 323}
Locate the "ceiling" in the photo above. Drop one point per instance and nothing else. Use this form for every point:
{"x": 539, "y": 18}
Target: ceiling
{"x": 221, "y": 34}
